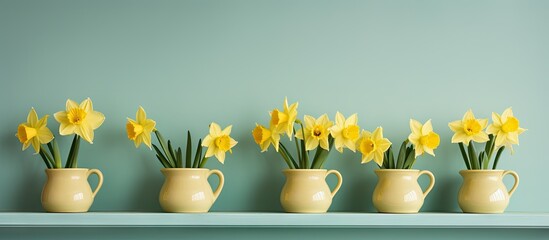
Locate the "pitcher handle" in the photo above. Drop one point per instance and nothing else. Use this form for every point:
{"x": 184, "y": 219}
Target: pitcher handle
{"x": 515, "y": 175}
{"x": 99, "y": 177}
{"x": 339, "y": 180}
{"x": 221, "y": 182}
{"x": 431, "y": 183}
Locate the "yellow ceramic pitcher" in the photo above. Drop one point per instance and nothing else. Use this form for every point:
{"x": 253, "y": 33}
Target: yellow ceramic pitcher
{"x": 483, "y": 191}
{"x": 68, "y": 190}
{"x": 188, "y": 190}
{"x": 306, "y": 190}
{"x": 397, "y": 190}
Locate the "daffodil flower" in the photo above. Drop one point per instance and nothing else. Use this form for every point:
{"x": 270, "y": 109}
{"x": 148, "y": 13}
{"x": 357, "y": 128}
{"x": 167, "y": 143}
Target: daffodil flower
{"x": 506, "y": 128}
{"x": 265, "y": 137}
{"x": 140, "y": 129}
{"x": 34, "y": 131}
{"x": 469, "y": 129}
{"x": 283, "y": 122}
{"x": 373, "y": 145}
{"x": 79, "y": 119}
{"x": 316, "y": 132}
{"x": 218, "y": 142}
{"x": 423, "y": 137}
{"x": 345, "y": 132}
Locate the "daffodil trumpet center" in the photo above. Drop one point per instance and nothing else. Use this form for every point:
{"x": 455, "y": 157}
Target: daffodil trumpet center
{"x": 367, "y": 146}
{"x": 278, "y": 117}
{"x": 76, "y": 115}
{"x": 431, "y": 140}
{"x": 261, "y": 134}
{"x": 317, "y": 131}
{"x": 351, "y": 132}
{"x": 511, "y": 125}
{"x": 223, "y": 143}
{"x": 133, "y": 130}
{"x": 472, "y": 127}
{"x": 25, "y": 133}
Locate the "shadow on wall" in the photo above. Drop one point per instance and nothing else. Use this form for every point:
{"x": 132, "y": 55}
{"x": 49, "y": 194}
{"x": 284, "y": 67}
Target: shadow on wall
{"x": 27, "y": 189}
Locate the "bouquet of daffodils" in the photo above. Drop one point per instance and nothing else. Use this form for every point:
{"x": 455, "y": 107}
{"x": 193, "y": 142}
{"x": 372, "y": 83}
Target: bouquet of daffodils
{"x": 501, "y": 134}
{"x": 78, "y": 119}
{"x": 217, "y": 141}
{"x": 318, "y": 134}
{"x": 374, "y": 146}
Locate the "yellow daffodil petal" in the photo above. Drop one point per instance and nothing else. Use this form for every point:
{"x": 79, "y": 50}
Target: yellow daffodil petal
{"x": 45, "y": 135}
{"x": 70, "y": 104}
{"x": 140, "y": 115}
{"x": 415, "y": 126}
{"x": 506, "y": 113}
{"x": 36, "y": 144}
{"x": 215, "y": 129}
{"x": 32, "y": 118}
{"x": 227, "y": 130}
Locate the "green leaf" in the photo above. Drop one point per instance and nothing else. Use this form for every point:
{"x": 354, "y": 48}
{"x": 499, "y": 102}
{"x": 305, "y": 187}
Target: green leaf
{"x": 401, "y": 155}
{"x": 473, "y": 156}
{"x": 297, "y": 149}
{"x": 385, "y": 163}
{"x": 44, "y": 157}
{"x": 322, "y": 154}
{"x": 481, "y": 159}
{"x": 198, "y": 154}
{"x": 172, "y": 152}
{"x": 464, "y": 155}
{"x": 391, "y": 158}
{"x": 56, "y": 154}
{"x": 71, "y": 152}
{"x": 179, "y": 157}
{"x": 288, "y": 156}
{"x": 410, "y": 160}
{"x": 163, "y": 161}
{"x": 498, "y": 154}
{"x": 283, "y": 152}
{"x": 485, "y": 161}
{"x": 161, "y": 157}
{"x": 189, "y": 150}
{"x": 304, "y": 153}
{"x": 164, "y": 148}
{"x": 488, "y": 147}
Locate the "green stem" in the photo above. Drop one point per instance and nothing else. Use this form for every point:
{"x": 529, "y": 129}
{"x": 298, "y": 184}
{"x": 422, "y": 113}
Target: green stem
{"x": 464, "y": 155}
{"x": 198, "y": 154}
{"x": 401, "y": 155}
{"x": 473, "y": 156}
{"x": 73, "y": 153}
{"x": 203, "y": 162}
{"x": 283, "y": 148}
{"x": 286, "y": 159}
{"x": 56, "y": 154}
{"x": 161, "y": 157}
{"x": 297, "y": 148}
{"x": 304, "y": 153}
{"x": 498, "y": 154}
{"x": 43, "y": 156}
{"x": 322, "y": 154}
{"x": 164, "y": 147}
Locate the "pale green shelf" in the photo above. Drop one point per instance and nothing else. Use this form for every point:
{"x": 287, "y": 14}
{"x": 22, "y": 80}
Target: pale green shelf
{"x": 275, "y": 220}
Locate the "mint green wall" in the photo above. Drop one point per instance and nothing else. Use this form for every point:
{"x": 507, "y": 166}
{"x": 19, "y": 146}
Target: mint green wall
{"x": 189, "y": 63}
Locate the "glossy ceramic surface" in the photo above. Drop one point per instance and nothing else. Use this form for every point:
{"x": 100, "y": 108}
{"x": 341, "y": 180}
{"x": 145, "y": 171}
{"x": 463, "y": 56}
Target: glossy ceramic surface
{"x": 397, "y": 190}
{"x": 68, "y": 190}
{"x": 188, "y": 190}
{"x": 483, "y": 191}
{"x": 306, "y": 190}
